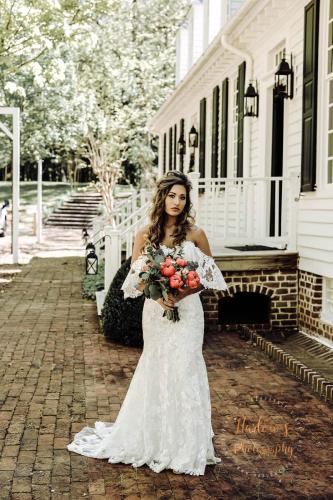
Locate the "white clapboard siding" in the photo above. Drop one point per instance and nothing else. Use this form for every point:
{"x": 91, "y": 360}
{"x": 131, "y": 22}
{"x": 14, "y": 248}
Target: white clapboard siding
{"x": 315, "y": 234}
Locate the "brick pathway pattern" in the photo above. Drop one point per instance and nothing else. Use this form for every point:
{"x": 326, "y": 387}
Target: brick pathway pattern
{"x": 58, "y": 373}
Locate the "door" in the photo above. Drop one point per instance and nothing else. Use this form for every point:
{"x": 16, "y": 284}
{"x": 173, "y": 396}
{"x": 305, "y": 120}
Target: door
{"x": 277, "y": 162}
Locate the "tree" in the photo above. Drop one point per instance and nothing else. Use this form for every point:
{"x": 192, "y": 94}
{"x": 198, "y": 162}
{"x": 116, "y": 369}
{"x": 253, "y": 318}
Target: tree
{"x": 97, "y": 69}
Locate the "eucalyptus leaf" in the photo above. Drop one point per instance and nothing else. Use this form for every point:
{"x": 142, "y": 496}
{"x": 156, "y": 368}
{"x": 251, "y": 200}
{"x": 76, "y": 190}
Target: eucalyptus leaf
{"x": 155, "y": 292}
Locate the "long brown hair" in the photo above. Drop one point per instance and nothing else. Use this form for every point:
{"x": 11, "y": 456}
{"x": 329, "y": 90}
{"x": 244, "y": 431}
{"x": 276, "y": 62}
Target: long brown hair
{"x": 158, "y": 216}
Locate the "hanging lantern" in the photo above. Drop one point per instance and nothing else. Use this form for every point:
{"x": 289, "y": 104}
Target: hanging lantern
{"x": 91, "y": 263}
{"x": 251, "y": 101}
{"x": 181, "y": 145}
{"x": 193, "y": 138}
{"x": 90, "y": 247}
{"x": 284, "y": 79}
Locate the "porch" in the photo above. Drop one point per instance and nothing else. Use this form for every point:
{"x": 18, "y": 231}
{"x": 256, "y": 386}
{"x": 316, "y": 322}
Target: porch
{"x": 237, "y": 214}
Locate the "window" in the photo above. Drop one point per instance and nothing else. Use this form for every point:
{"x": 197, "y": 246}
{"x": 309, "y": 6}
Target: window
{"x": 234, "y": 126}
{"x": 327, "y": 312}
{"x": 330, "y": 96}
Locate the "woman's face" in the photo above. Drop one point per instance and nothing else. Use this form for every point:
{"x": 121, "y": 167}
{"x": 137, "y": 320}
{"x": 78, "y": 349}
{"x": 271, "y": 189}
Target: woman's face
{"x": 175, "y": 200}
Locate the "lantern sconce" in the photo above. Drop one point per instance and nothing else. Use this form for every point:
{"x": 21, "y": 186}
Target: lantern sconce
{"x": 251, "y": 100}
{"x": 181, "y": 145}
{"x": 91, "y": 263}
{"x": 90, "y": 248}
{"x": 193, "y": 143}
{"x": 284, "y": 78}
{"x": 193, "y": 137}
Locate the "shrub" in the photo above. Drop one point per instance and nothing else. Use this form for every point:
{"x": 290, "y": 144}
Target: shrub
{"x": 122, "y": 318}
{"x": 93, "y": 283}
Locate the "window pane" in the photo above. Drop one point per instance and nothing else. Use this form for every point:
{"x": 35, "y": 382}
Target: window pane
{"x": 330, "y": 118}
{"x": 330, "y": 171}
{"x": 331, "y": 9}
{"x": 330, "y": 144}
{"x": 330, "y": 61}
{"x": 331, "y": 92}
{"x": 330, "y": 34}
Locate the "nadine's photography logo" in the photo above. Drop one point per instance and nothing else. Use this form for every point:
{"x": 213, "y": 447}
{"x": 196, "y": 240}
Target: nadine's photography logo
{"x": 262, "y": 427}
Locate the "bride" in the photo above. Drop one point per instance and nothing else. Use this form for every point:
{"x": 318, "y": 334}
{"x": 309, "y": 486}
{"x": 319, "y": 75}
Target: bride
{"x": 165, "y": 418}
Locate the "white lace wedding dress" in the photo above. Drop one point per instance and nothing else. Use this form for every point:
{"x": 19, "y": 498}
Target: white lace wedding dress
{"x": 165, "y": 418}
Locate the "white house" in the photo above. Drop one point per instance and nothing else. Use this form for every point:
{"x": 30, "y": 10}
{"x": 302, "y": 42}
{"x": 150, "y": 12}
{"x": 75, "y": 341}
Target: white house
{"x": 268, "y": 179}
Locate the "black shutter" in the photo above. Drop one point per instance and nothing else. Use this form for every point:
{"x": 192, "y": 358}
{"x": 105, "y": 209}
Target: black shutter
{"x": 310, "y": 74}
{"x": 202, "y": 138}
{"x": 240, "y": 138}
{"x": 224, "y": 128}
{"x": 215, "y": 130}
{"x": 164, "y": 152}
{"x": 170, "y": 148}
{"x": 175, "y": 146}
{"x": 181, "y": 134}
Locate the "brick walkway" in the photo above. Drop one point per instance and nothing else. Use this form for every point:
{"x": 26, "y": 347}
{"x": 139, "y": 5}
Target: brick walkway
{"x": 58, "y": 373}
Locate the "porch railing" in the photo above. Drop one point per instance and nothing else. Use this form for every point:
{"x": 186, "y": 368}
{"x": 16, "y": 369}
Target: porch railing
{"x": 251, "y": 210}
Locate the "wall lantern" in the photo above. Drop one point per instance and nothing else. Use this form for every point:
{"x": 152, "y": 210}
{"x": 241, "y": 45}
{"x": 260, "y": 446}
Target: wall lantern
{"x": 181, "y": 145}
{"x": 284, "y": 78}
{"x": 193, "y": 143}
{"x": 90, "y": 247}
{"x": 193, "y": 138}
{"x": 91, "y": 263}
{"x": 251, "y": 101}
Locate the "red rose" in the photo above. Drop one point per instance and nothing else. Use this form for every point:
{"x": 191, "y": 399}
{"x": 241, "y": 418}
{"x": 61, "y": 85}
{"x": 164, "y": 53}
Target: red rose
{"x": 181, "y": 262}
{"x": 168, "y": 270}
{"x": 175, "y": 281}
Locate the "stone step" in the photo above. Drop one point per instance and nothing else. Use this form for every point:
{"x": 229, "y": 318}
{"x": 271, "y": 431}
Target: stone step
{"x": 69, "y": 224}
{"x": 81, "y": 203}
{"x": 66, "y": 210}
{"x": 69, "y": 219}
{"x": 76, "y": 212}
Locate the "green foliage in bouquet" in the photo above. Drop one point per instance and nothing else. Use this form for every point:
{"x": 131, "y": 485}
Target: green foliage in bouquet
{"x": 122, "y": 318}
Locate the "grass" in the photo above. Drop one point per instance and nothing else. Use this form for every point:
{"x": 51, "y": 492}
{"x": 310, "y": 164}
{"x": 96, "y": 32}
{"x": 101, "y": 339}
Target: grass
{"x": 28, "y": 191}
{"x": 51, "y": 191}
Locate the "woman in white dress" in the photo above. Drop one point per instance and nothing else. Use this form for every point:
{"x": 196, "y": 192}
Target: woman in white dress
{"x": 165, "y": 418}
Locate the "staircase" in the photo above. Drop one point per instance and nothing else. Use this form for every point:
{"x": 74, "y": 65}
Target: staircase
{"x": 76, "y": 212}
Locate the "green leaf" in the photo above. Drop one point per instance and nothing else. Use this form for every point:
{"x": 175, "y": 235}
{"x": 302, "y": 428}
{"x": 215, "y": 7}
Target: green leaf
{"x": 155, "y": 292}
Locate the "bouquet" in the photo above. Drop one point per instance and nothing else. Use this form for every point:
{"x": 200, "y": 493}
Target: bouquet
{"x": 164, "y": 274}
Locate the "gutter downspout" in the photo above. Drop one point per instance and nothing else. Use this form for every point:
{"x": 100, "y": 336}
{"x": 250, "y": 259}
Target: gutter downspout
{"x": 248, "y": 122}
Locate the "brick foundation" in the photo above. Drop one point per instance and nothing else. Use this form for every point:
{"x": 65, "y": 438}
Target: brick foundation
{"x": 279, "y": 285}
{"x": 310, "y": 288}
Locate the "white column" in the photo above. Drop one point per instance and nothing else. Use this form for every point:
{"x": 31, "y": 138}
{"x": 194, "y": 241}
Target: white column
{"x": 205, "y": 24}
{"x": 214, "y": 16}
{"x": 182, "y": 53}
{"x": 16, "y": 184}
{"x": 39, "y": 201}
{"x": 198, "y": 30}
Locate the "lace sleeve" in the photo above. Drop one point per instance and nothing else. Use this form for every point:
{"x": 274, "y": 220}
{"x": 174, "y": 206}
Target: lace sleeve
{"x": 132, "y": 279}
{"x": 210, "y": 275}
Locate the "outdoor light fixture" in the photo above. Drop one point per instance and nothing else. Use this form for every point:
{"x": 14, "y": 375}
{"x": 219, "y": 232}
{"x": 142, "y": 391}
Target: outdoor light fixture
{"x": 181, "y": 145}
{"x": 251, "y": 101}
{"x": 284, "y": 78}
{"x": 91, "y": 263}
{"x": 90, "y": 248}
{"x": 193, "y": 138}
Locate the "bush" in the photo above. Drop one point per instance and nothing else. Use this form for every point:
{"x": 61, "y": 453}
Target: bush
{"x": 122, "y": 318}
{"x": 93, "y": 283}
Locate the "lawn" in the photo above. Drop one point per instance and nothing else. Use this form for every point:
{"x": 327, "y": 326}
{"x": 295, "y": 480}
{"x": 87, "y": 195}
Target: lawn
{"x": 28, "y": 192}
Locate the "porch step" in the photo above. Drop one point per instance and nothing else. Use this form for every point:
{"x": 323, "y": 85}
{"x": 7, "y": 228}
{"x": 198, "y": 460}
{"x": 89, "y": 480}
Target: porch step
{"x": 306, "y": 358}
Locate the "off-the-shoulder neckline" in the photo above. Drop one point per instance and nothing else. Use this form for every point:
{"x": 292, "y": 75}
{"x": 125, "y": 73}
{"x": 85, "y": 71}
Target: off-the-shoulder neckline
{"x": 179, "y": 245}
